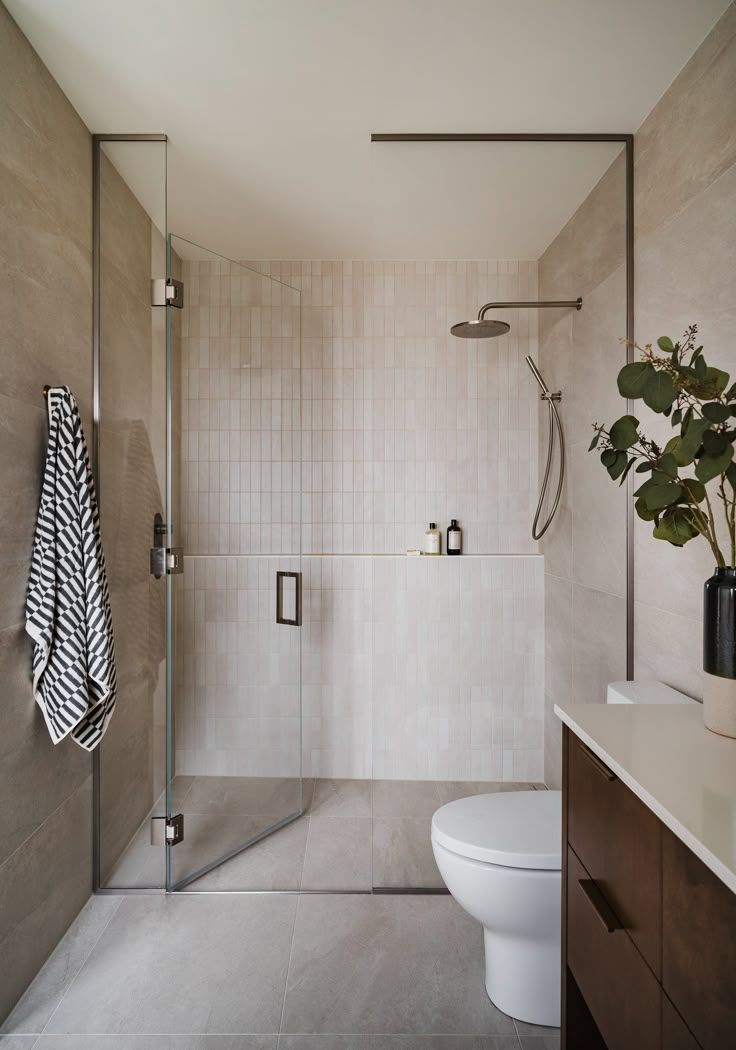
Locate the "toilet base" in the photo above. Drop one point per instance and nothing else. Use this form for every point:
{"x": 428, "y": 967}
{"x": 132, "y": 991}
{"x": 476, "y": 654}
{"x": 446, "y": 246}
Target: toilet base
{"x": 523, "y": 977}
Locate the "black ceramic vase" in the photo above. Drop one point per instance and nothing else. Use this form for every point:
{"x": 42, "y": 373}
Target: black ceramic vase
{"x": 719, "y": 652}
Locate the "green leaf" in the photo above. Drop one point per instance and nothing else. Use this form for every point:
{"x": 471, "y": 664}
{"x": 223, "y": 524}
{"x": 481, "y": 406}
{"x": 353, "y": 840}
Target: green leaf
{"x": 594, "y": 442}
{"x": 674, "y": 448}
{"x": 716, "y": 412}
{"x": 695, "y": 488}
{"x": 700, "y": 367}
{"x": 667, "y": 464}
{"x": 617, "y": 468}
{"x": 714, "y": 443}
{"x": 665, "y": 343}
{"x": 623, "y": 433}
{"x": 710, "y": 467}
{"x": 659, "y": 391}
{"x": 633, "y": 378}
{"x": 731, "y": 475}
{"x": 676, "y": 527}
{"x": 663, "y": 494}
{"x": 626, "y": 472}
{"x": 608, "y": 457}
{"x": 643, "y": 511}
{"x": 712, "y": 385}
{"x": 643, "y": 468}
{"x": 677, "y": 417}
{"x": 692, "y": 439}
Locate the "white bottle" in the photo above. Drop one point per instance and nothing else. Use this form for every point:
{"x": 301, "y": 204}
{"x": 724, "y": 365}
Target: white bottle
{"x": 432, "y": 540}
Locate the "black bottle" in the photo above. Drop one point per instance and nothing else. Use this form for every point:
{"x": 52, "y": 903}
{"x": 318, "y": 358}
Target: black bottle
{"x": 454, "y": 538}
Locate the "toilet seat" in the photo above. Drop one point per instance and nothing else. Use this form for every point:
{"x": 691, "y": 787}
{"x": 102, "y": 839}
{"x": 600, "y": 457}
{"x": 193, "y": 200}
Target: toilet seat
{"x": 514, "y": 829}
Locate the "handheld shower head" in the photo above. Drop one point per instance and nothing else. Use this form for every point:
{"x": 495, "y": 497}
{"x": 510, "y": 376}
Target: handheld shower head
{"x": 537, "y": 375}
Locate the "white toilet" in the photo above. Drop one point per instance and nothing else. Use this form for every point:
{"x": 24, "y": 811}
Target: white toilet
{"x": 500, "y": 857}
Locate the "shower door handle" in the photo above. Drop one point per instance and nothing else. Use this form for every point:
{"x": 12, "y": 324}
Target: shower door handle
{"x": 280, "y": 618}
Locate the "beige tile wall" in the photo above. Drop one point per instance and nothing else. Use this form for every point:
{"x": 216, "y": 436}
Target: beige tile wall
{"x": 685, "y": 258}
{"x": 402, "y": 423}
{"x": 45, "y": 304}
{"x": 398, "y": 423}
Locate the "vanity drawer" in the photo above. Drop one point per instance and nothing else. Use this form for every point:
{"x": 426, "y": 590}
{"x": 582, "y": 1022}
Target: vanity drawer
{"x": 621, "y": 991}
{"x": 619, "y": 841}
{"x": 699, "y": 945}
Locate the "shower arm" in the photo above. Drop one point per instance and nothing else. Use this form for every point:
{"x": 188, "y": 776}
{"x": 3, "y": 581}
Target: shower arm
{"x": 577, "y": 303}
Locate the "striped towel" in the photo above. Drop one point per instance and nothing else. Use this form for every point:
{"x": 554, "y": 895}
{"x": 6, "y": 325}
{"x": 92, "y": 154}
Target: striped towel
{"x": 68, "y": 605}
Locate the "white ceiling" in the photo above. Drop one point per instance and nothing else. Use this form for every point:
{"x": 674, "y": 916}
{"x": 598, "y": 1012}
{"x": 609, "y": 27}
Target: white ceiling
{"x": 269, "y": 106}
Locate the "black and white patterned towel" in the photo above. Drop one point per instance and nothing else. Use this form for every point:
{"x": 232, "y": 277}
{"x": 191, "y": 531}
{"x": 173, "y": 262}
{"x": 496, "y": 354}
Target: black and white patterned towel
{"x": 68, "y": 605}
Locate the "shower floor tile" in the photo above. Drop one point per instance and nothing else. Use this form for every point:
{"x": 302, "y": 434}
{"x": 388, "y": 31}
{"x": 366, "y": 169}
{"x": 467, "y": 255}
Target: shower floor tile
{"x": 354, "y": 834}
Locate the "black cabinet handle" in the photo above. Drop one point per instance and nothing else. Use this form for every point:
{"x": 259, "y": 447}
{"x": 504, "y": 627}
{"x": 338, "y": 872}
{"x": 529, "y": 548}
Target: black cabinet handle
{"x": 600, "y": 905}
{"x": 599, "y": 766}
{"x": 280, "y": 618}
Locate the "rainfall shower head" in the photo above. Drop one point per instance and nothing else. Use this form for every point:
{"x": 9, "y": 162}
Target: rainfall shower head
{"x": 482, "y": 329}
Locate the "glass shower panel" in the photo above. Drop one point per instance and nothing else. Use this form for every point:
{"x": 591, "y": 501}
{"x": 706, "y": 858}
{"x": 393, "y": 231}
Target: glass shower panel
{"x": 235, "y": 722}
{"x": 131, "y": 470}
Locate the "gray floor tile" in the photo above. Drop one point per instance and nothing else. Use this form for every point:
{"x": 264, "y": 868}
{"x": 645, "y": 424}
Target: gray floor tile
{"x": 524, "y": 1028}
{"x": 402, "y": 853}
{"x": 338, "y": 854}
{"x": 405, "y": 798}
{"x": 540, "y": 1042}
{"x": 274, "y": 796}
{"x": 451, "y": 790}
{"x": 274, "y": 863}
{"x": 158, "y": 1042}
{"x": 388, "y": 964}
{"x": 342, "y": 798}
{"x": 18, "y": 1042}
{"x": 62, "y": 966}
{"x": 185, "y": 964}
{"x": 398, "y": 1042}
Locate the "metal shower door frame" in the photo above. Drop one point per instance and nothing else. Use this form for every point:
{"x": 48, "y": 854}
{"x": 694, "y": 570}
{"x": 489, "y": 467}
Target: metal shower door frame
{"x": 627, "y": 141}
{"x": 97, "y": 142}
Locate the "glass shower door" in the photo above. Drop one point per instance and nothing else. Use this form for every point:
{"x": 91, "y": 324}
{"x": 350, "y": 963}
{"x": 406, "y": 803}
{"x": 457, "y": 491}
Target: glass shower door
{"x": 234, "y": 726}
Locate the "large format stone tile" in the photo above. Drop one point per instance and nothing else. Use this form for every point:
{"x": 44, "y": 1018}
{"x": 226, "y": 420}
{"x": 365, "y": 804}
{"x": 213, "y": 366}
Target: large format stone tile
{"x": 402, "y": 853}
{"x": 598, "y": 644}
{"x": 157, "y": 1042}
{"x": 18, "y": 1042}
{"x": 36, "y": 775}
{"x": 388, "y": 964}
{"x": 399, "y": 1042}
{"x": 273, "y": 863}
{"x": 342, "y": 798}
{"x": 277, "y": 796}
{"x": 184, "y": 964}
{"x": 43, "y": 885}
{"x": 405, "y": 798}
{"x": 43, "y": 996}
{"x": 338, "y": 855}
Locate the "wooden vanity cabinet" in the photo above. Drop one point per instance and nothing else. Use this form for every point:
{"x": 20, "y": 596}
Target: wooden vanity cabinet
{"x": 648, "y": 931}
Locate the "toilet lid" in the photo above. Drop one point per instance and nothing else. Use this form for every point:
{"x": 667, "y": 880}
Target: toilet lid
{"x": 516, "y": 829}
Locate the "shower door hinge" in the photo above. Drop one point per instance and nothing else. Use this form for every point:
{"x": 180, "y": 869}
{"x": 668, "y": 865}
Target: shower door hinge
{"x": 169, "y": 560}
{"x": 166, "y": 291}
{"x": 166, "y": 560}
{"x": 173, "y": 830}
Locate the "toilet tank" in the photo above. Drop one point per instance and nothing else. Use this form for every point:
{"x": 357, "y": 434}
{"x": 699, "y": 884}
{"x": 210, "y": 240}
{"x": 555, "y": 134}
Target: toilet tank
{"x": 645, "y": 693}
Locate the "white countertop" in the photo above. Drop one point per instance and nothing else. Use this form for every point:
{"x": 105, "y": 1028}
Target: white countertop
{"x": 684, "y": 773}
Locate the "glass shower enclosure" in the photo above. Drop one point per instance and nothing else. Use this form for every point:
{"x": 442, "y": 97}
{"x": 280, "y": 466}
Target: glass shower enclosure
{"x": 197, "y": 444}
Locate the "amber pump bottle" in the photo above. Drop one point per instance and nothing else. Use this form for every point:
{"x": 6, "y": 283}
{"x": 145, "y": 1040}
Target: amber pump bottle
{"x": 454, "y": 538}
